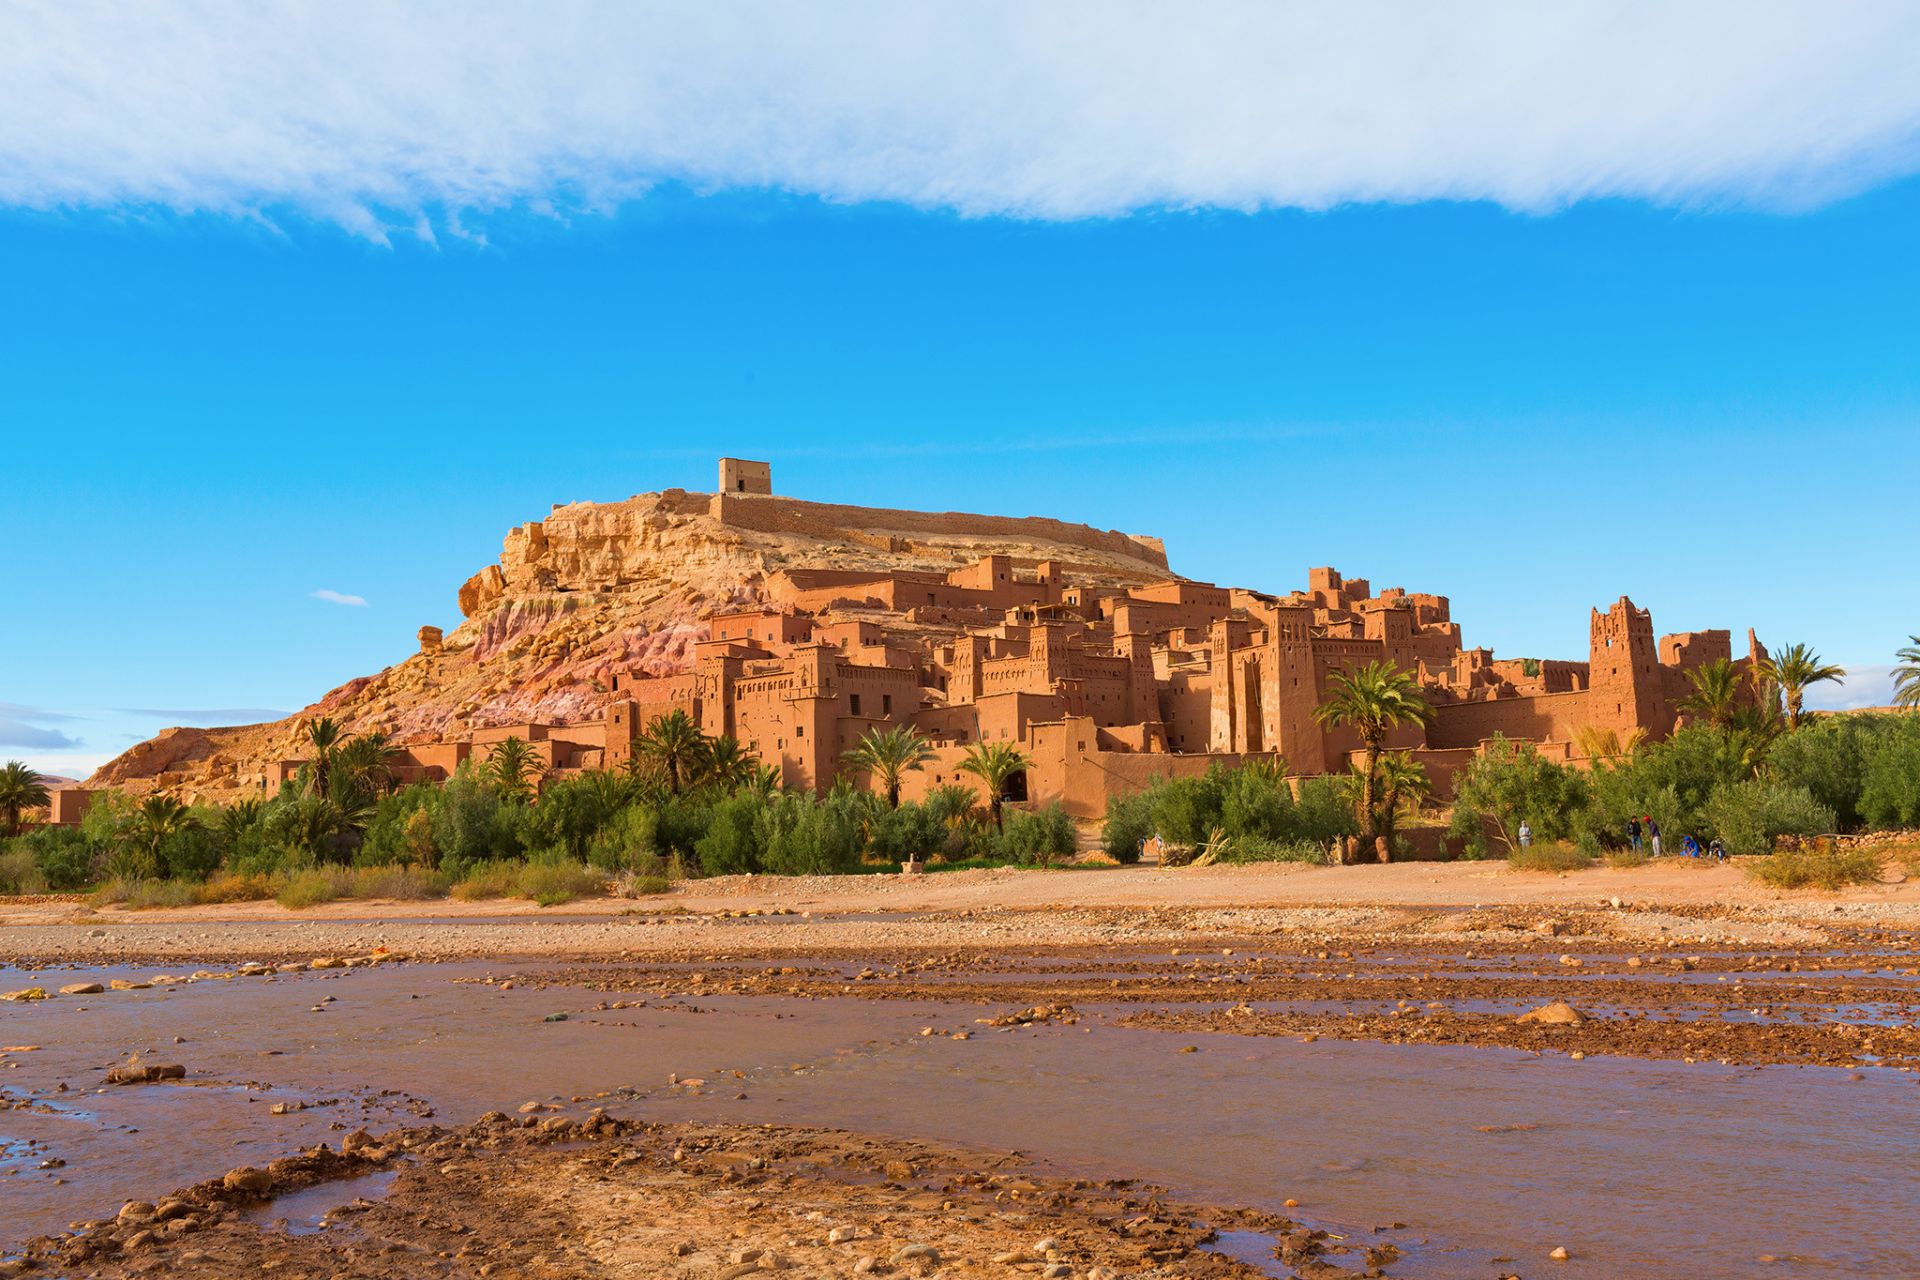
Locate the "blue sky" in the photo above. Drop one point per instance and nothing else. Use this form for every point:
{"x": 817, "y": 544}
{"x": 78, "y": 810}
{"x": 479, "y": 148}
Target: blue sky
{"x": 222, "y": 392}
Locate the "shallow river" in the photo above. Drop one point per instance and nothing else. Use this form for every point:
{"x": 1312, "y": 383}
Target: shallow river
{"x": 1638, "y": 1168}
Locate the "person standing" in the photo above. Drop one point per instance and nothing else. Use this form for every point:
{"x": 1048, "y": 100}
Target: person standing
{"x": 1526, "y": 834}
{"x": 1633, "y": 833}
{"x": 1653, "y": 834}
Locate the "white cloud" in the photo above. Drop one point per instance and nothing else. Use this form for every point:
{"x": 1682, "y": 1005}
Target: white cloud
{"x": 373, "y": 114}
{"x": 339, "y": 597}
{"x": 1864, "y": 686}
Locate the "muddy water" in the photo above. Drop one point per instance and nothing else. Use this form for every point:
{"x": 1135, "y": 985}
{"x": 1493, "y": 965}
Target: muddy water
{"x": 1638, "y": 1168}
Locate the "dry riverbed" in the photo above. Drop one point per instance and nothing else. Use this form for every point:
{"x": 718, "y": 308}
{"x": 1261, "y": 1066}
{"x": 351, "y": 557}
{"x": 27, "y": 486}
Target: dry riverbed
{"x": 557, "y": 1196}
{"x": 792, "y": 1078}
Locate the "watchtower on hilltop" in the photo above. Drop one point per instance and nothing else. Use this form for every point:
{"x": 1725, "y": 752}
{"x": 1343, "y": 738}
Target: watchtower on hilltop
{"x": 737, "y": 475}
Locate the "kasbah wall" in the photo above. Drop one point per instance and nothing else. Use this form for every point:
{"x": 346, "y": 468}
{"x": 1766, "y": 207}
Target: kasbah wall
{"x": 1106, "y": 688}
{"x": 1103, "y": 687}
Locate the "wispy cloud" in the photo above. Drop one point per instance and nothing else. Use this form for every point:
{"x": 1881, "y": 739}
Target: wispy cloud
{"x": 21, "y": 711}
{"x": 400, "y": 117}
{"x": 19, "y": 733}
{"x": 205, "y": 715}
{"x": 339, "y": 597}
{"x": 26, "y": 726}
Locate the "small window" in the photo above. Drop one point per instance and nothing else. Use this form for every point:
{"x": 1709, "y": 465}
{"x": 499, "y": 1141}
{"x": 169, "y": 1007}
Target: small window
{"x": 799, "y": 731}
{"x": 741, "y": 485}
{"x": 855, "y": 699}
{"x": 886, "y": 704}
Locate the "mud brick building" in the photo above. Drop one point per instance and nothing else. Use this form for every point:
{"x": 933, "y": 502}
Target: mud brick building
{"x": 1106, "y": 687}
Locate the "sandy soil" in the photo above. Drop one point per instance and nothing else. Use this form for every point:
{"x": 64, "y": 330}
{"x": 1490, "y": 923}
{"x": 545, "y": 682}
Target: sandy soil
{"x": 1006, "y": 907}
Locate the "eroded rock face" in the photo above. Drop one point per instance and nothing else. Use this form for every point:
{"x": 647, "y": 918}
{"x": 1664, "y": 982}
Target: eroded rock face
{"x": 596, "y": 588}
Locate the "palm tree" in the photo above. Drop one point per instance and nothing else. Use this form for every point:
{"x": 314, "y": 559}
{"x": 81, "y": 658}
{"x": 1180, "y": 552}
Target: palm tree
{"x": 365, "y": 763}
{"x": 763, "y": 781}
{"x": 1596, "y": 742}
{"x": 1403, "y": 783}
{"x": 156, "y": 821}
{"x": 1754, "y": 727}
{"x": 1793, "y": 669}
{"x": 323, "y": 735}
{"x": 609, "y": 792}
{"x": 317, "y": 826}
{"x": 1272, "y": 769}
{"x": 1716, "y": 692}
{"x": 728, "y": 764}
{"x": 995, "y": 764}
{"x": 1371, "y": 700}
{"x": 887, "y": 754}
{"x": 240, "y": 817}
{"x": 515, "y": 767}
{"x": 675, "y": 743}
{"x": 1906, "y": 676}
{"x": 20, "y": 789}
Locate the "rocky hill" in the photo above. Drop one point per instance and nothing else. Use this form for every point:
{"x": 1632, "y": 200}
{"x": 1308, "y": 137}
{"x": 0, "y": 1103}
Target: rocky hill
{"x": 602, "y": 587}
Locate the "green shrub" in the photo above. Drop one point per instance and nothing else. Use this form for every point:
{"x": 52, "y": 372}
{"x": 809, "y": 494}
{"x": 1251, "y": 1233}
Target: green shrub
{"x": 1128, "y": 825}
{"x": 1255, "y": 804}
{"x": 804, "y": 837}
{"x": 1555, "y": 855}
{"x": 1747, "y": 816}
{"x": 401, "y": 883}
{"x": 550, "y": 883}
{"x": 236, "y": 888}
{"x": 1255, "y": 849}
{"x": 631, "y": 885}
{"x": 1827, "y": 756}
{"x": 680, "y": 822}
{"x": 1510, "y": 783}
{"x": 471, "y": 822}
{"x": 1186, "y": 810}
{"x": 401, "y": 830}
{"x": 1820, "y": 868}
{"x": 1323, "y": 813}
{"x": 628, "y": 841}
{"x": 909, "y": 833}
{"x": 572, "y": 812}
{"x": 736, "y": 835}
{"x": 192, "y": 854}
{"x": 142, "y": 895}
{"x": 62, "y": 856}
{"x": 1670, "y": 781}
{"x": 489, "y": 879}
{"x": 1038, "y": 837}
{"x": 1890, "y": 775}
{"x": 1249, "y": 803}
{"x": 104, "y": 825}
{"x": 314, "y": 886}
{"x": 19, "y": 871}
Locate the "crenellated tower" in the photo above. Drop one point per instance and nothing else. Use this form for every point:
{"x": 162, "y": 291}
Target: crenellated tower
{"x": 1624, "y": 679}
